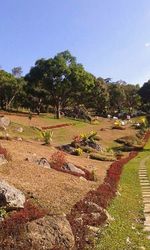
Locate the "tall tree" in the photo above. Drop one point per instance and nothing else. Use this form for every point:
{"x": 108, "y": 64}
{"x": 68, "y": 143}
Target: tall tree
{"x": 61, "y": 77}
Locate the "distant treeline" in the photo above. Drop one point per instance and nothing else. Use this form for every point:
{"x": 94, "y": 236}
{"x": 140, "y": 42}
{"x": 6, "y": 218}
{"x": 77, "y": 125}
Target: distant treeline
{"x": 60, "y": 83}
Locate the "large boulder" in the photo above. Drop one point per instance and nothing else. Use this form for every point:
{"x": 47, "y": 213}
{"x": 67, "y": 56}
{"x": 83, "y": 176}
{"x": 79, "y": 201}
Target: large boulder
{"x": 72, "y": 168}
{"x": 10, "y": 197}
{"x": 50, "y": 232}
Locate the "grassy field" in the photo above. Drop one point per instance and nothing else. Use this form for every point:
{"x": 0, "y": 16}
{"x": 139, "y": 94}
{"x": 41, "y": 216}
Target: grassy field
{"x": 126, "y": 231}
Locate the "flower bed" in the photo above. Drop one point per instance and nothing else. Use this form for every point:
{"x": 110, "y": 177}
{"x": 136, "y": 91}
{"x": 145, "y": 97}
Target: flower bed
{"x": 58, "y": 159}
{"x": 12, "y": 227}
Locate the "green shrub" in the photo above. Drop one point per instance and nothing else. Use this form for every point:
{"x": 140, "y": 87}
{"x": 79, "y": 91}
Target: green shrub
{"x": 2, "y": 212}
{"x": 87, "y": 149}
{"x": 78, "y": 151}
{"x": 101, "y": 157}
{"x": 47, "y": 136}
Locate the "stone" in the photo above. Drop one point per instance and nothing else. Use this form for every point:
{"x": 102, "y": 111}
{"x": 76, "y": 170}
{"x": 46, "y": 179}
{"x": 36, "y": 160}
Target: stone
{"x": 19, "y": 139}
{"x": 43, "y": 162}
{"x": 50, "y": 232}
{"x": 3, "y": 160}
{"x": 93, "y": 207}
{"x": 71, "y": 167}
{"x": 82, "y": 178}
{"x": 4, "y": 122}
{"x": 20, "y": 129}
{"x": 10, "y": 197}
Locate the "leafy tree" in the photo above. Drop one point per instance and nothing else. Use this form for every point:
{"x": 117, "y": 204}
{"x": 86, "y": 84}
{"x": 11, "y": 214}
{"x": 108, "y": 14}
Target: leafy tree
{"x": 144, "y": 92}
{"x": 100, "y": 96}
{"x": 10, "y": 87}
{"x": 62, "y": 78}
{"x": 117, "y": 96}
{"x": 133, "y": 99}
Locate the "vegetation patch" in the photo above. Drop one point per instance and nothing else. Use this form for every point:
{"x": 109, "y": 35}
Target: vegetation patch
{"x": 102, "y": 198}
{"x": 126, "y": 231}
{"x": 58, "y": 126}
{"x": 59, "y": 162}
{"x": 102, "y": 157}
{"x": 12, "y": 227}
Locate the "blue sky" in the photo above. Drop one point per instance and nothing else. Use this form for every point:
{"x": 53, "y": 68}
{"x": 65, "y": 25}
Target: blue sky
{"x": 111, "y": 38}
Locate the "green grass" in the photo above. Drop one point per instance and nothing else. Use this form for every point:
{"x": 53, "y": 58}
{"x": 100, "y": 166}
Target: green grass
{"x": 127, "y": 211}
{"x": 148, "y": 162}
{"x": 28, "y": 132}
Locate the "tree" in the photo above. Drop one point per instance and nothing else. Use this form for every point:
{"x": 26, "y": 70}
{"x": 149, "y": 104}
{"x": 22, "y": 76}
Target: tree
{"x": 9, "y": 88}
{"x": 144, "y": 92}
{"x": 100, "y": 96}
{"x": 62, "y": 78}
{"x": 117, "y": 96}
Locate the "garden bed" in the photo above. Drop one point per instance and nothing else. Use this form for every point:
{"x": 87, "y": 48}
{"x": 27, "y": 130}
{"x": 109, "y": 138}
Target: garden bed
{"x": 102, "y": 197}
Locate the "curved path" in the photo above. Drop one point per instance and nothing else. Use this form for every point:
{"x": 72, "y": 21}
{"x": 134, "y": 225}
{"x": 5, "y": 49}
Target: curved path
{"x": 145, "y": 185}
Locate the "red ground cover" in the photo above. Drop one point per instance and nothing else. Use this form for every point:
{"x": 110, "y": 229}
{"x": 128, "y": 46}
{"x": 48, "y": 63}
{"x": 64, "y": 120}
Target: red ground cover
{"x": 58, "y": 126}
{"x": 80, "y": 216}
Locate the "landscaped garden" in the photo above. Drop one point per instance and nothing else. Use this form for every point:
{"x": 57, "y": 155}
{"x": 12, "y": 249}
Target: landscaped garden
{"x": 74, "y": 169}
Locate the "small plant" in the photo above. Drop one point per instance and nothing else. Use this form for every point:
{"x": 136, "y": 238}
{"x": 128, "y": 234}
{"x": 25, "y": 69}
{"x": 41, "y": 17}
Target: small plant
{"x": 101, "y": 157}
{"x": 2, "y": 212}
{"x": 77, "y": 139}
{"x": 47, "y": 136}
{"x": 93, "y": 175}
{"x": 78, "y": 151}
{"x": 58, "y": 159}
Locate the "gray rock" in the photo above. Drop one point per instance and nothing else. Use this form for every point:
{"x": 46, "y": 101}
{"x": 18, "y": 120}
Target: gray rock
{"x": 10, "y": 197}
{"x": 93, "y": 207}
{"x": 2, "y": 159}
{"x": 4, "y": 122}
{"x": 49, "y": 232}
{"x": 43, "y": 162}
{"x": 20, "y": 129}
{"x": 71, "y": 167}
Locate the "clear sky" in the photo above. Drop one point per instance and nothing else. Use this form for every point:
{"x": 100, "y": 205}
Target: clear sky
{"x": 111, "y": 38}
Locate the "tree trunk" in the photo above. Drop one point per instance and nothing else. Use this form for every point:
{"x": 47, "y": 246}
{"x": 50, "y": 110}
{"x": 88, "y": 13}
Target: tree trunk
{"x": 58, "y": 107}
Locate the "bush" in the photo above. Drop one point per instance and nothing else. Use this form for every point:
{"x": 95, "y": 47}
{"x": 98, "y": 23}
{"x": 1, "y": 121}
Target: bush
{"x": 78, "y": 151}
{"x": 58, "y": 159}
{"x": 47, "y": 136}
{"x": 101, "y": 157}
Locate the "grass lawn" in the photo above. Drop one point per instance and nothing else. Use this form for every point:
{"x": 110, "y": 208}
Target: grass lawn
{"x": 126, "y": 231}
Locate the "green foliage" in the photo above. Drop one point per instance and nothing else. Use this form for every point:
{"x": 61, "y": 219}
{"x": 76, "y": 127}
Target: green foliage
{"x": 102, "y": 157}
{"x": 127, "y": 211}
{"x": 47, "y": 136}
{"x": 2, "y": 212}
{"x": 78, "y": 151}
{"x": 62, "y": 78}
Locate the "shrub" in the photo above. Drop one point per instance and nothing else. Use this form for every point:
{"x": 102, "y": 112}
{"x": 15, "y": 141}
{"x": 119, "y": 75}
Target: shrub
{"x": 87, "y": 149}
{"x": 77, "y": 139}
{"x": 58, "y": 159}
{"x": 101, "y": 157}
{"x": 78, "y": 151}
{"x": 47, "y": 136}
{"x": 2, "y": 212}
